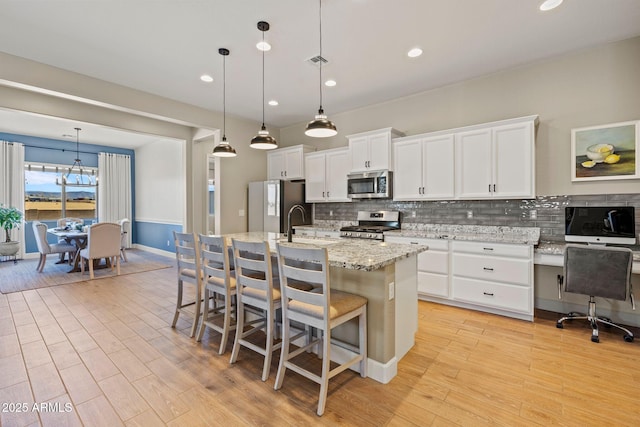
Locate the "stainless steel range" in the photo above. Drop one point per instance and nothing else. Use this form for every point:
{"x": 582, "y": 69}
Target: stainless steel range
{"x": 371, "y": 225}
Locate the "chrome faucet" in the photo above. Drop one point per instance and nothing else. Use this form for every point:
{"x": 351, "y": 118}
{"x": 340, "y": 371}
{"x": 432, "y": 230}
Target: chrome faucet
{"x": 289, "y": 227}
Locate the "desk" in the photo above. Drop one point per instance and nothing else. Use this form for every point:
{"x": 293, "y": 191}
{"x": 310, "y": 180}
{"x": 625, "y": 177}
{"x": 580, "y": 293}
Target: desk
{"x": 78, "y": 238}
{"x": 552, "y": 254}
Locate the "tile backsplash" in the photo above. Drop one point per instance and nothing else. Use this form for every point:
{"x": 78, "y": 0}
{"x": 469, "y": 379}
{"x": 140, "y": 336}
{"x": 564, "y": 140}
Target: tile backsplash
{"x": 545, "y": 212}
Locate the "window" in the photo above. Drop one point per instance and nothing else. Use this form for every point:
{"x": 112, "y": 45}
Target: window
{"x": 43, "y": 194}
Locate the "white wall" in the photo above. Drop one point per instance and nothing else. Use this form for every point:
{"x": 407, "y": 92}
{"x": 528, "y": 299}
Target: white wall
{"x": 160, "y": 183}
{"x": 596, "y": 86}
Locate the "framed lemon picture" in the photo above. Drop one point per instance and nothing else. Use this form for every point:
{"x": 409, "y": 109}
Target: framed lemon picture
{"x": 605, "y": 152}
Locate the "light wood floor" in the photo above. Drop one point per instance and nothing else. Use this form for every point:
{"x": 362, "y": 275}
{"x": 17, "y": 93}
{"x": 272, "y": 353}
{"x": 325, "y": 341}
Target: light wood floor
{"x": 104, "y": 351}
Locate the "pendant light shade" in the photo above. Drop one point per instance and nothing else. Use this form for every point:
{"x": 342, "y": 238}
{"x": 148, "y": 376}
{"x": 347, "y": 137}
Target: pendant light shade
{"x": 263, "y": 141}
{"x": 224, "y": 149}
{"x": 320, "y": 126}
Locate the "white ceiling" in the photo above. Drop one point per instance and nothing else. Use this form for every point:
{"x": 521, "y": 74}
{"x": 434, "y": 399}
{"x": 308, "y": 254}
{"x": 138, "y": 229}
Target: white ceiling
{"x": 22, "y": 123}
{"x": 163, "y": 46}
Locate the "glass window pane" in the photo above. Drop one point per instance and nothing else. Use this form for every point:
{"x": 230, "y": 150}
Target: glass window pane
{"x": 43, "y": 197}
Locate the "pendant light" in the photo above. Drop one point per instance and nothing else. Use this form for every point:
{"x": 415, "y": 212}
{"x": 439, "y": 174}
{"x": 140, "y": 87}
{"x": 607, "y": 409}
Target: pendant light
{"x": 80, "y": 174}
{"x": 224, "y": 149}
{"x": 263, "y": 141}
{"x": 320, "y": 126}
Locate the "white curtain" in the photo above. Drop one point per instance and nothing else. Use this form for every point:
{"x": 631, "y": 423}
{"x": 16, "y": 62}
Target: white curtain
{"x": 114, "y": 188}
{"x": 12, "y": 184}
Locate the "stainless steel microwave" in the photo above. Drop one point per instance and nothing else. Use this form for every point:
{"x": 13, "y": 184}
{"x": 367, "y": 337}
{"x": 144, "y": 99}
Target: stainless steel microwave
{"x": 370, "y": 185}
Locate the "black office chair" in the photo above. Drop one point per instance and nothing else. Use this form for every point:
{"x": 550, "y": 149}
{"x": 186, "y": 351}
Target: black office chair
{"x": 597, "y": 271}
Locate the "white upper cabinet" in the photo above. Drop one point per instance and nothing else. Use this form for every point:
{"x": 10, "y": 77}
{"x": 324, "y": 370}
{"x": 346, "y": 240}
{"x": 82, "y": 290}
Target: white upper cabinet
{"x": 287, "y": 163}
{"x": 326, "y": 175}
{"x": 423, "y": 168}
{"x": 372, "y": 150}
{"x": 497, "y": 161}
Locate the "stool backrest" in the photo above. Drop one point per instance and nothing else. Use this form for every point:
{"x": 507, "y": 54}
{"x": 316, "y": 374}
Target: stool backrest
{"x": 253, "y": 266}
{"x": 214, "y": 256}
{"x": 311, "y": 267}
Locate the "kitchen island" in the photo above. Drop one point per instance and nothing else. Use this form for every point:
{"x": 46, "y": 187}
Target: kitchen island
{"x": 385, "y": 274}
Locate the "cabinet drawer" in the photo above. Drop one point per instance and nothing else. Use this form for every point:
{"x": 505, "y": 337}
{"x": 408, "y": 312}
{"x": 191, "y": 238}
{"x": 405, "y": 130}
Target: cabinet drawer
{"x": 498, "y": 249}
{"x": 514, "y": 271}
{"x": 433, "y": 284}
{"x": 507, "y": 297}
{"x": 434, "y": 261}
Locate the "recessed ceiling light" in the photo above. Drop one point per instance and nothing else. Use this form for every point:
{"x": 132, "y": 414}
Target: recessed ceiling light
{"x": 414, "y": 53}
{"x": 273, "y": 102}
{"x": 206, "y": 78}
{"x": 330, "y": 83}
{"x": 264, "y": 46}
{"x": 550, "y": 4}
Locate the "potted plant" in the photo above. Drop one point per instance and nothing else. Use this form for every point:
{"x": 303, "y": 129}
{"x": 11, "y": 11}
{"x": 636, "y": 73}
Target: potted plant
{"x": 10, "y": 218}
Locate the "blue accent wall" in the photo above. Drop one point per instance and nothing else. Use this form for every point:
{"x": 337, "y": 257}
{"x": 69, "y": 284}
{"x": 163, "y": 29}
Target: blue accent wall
{"x": 156, "y": 235}
{"x": 45, "y": 150}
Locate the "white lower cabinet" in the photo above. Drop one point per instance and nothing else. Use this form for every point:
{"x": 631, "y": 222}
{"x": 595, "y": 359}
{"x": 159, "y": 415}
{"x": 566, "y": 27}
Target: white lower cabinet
{"x": 433, "y": 265}
{"x": 492, "y": 277}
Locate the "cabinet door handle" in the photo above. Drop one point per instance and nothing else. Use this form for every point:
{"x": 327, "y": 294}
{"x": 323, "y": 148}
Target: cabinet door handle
{"x": 414, "y": 243}
{"x": 285, "y": 173}
{"x": 323, "y": 194}
{"x": 494, "y": 188}
{"x": 327, "y": 194}
{"x": 489, "y": 294}
{"x": 281, "y": 173}
{"x": 487, "y": 269}
{"x": 489, "y": 188}
{"x": 423, "y": 190}
{"x": 487, "y": 249}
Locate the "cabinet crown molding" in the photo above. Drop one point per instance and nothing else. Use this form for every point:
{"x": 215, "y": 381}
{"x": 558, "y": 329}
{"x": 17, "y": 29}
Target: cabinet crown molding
{"x": 532, "y": 118}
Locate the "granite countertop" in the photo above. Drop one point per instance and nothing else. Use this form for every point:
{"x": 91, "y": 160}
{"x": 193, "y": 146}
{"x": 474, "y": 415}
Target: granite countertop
{"x": 484, "y": 233}
{"x": 353, "y": 254}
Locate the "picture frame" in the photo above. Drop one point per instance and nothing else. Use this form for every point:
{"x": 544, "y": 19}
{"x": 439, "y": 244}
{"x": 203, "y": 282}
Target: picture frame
{"x": 606, "y": 152}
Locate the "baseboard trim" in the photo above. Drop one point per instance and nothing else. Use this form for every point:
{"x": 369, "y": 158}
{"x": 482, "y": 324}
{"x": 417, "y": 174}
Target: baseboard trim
{"x": 156, "y": 251}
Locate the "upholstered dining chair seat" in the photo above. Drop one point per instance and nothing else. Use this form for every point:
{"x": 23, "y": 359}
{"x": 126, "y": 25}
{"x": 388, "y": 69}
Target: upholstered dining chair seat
{"x": 260, "y": 294}
{"x": 340, "y": 304}
{"x": 217, "y": 282}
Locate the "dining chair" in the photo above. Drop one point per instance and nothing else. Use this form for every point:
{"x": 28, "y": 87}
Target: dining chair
{"x": 45, "y": 248}
{"x": 257, "y": 294}
{"x": 321, "y": 308}
{"x": 125, "y": 228}
{"x": 189, "y": 273}
{"x": 103, "y": 241}
{"x": 219, "y": 284}
{"x": 63, "y": 222}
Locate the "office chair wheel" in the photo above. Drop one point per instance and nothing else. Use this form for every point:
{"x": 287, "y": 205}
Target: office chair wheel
{"x": 559, "y": 325}
{"x": 628, "y": 338}
{"x": 595, "y": 338}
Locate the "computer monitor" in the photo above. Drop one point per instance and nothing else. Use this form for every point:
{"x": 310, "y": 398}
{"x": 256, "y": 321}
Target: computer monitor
{"x": 600, "y": 225}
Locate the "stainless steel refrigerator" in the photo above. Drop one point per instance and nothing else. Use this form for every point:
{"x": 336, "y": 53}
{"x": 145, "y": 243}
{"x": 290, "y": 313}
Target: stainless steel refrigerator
{"x": 269, "y": 203}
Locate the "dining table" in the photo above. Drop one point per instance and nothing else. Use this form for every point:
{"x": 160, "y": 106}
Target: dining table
{"x": 78, "y": 238}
